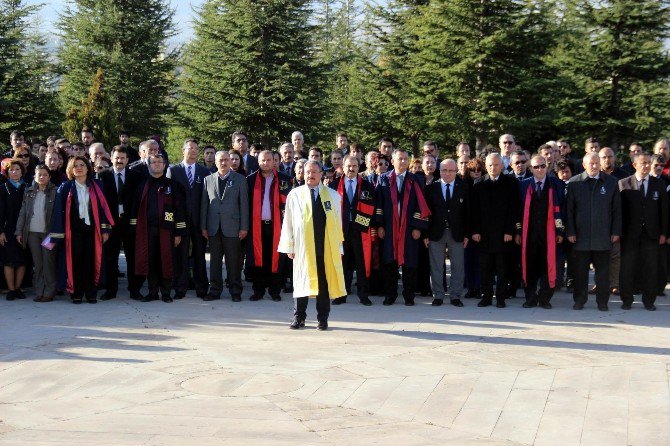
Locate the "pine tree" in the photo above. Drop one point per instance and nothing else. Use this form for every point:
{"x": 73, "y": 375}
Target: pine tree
{"x": 479, "y": 69}
{"x": 128, "y": 41}
{"x": 615, "y": 70}
{"x": 251, "y": 66}
{"x": 96, "y": 113}
{"x": 27, "y": 92}
{"x": 390, "y": 109}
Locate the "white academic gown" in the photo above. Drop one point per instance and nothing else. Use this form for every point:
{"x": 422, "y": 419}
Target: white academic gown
{"x": 292, "y": 240}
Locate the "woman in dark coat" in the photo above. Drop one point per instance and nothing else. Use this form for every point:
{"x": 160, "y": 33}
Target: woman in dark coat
{"x": 11, "y": 251}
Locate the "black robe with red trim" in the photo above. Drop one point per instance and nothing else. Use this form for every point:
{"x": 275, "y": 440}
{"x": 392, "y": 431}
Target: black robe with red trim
{"x": 398, "y": 244}
{"x": 101, "y": 220}
{"x": 363, "y": 219}
{"x": 281, "y": 186}
{"x": 171, "y": 222}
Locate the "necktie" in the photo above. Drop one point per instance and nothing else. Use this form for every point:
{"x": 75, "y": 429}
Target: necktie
{"x": 643, "y": 188}
{"x": 350, "y": 190}
{"x": 189, "y": 174}
{"x": 400, "y": 181}
{"x": 314, "y": 194}
{"x": 447, "y": 195}
{"x": 119, "y": 185}
{"x": 538, "y": 187}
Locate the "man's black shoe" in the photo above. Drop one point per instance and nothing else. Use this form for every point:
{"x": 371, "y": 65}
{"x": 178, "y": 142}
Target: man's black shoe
{"x": 201, "y": 294}
{"x": 578, "y": 307}
{"x": 546, "y": 306}
{"x": 626, "y": 306}
{"x": 108, "y": 296}
{"x": 297, "y": 323}
{"x": 436, "y": 302}
{"x": 178, "y": 296}
{"x": 149, "y": 298}
{"x": 366, "y": 301}
{"x": 603, "y": 308}
{"x": 276, "y": 298}
{"x": 288, "y": 289}
{"x": 255, "y": 297}
{"x": 323, "y": 326}
{"x": 530, "y": 304}
{"x": 339, "y": 301}
{"x": 237, "y": 299}
{"x": 167, "y": 299}
{"x": 135, "y": 295}
{"x": 409, "y": 302}
{"x": 389, "y": 301}
{"x": 485, "y": 302}
{"x": 92, "y": 300}
{"x": 651, "y": 307}
{"x": 211, "y": 297}
{"x": 456, "y": 302}
{"x": 500, "y": 303}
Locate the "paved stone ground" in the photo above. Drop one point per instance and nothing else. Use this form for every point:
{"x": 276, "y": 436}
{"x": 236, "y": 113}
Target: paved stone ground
{"x": 192, "y": 372}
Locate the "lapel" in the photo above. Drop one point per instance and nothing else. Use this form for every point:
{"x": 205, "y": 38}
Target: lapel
{"x": 216, "y": 186}
{"x": 226, "y": 184}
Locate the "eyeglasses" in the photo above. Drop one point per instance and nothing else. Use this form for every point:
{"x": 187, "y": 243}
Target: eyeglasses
{"x": 476, "y": 170}
{"x": 383, "y": 163}
{"x": 508, "y": 142}
{"x": 539, "y": 166}
{"x": 23, "y": 156}
{"x": 518, "y": 163}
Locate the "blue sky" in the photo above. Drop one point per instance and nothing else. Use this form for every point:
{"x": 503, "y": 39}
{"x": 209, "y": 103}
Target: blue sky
{"x": 183, "y": 14}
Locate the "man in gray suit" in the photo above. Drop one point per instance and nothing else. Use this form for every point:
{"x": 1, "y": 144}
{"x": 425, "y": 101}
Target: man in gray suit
{"x": 224, "y": 219}
{"x": 593, "y": 225}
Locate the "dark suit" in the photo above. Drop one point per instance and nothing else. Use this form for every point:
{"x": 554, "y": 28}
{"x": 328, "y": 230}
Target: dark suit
{"x": 250, "y": 163}
{"x": 593, "y": 216}
{"x": 644, "y": 221}
{"x": 448, "y": 226}
{"x": 193, "y": 195}
{"x": 121, "y": 234}
{"x": 494, "y": 213}
{"x": 354, "y": 258}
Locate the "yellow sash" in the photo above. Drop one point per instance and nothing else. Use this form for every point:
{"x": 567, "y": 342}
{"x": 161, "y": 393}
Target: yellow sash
{"x": 332, "y": 257}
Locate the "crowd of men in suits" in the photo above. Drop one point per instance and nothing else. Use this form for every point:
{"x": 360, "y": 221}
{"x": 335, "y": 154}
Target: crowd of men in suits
{"x": 504, "y": 219}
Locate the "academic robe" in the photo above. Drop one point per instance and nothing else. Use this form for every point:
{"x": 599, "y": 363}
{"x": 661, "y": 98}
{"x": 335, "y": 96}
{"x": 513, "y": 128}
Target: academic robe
{"x": 364, "y": 204}
{"x": 279, "y": 189}
{"x": 67, "y": 201}
{"x": 171, "y": 223}
{"x": 554, "y": 221}
{"x": 297, "y": 237}
{"x": 398, "y": 244}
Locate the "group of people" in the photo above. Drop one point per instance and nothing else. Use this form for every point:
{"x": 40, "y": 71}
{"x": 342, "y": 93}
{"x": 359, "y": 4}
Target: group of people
{"x": 294, "y": 221}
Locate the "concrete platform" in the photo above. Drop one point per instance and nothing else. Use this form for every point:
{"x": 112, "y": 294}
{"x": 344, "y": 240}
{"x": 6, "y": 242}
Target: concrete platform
{"x": 222, "y": 373}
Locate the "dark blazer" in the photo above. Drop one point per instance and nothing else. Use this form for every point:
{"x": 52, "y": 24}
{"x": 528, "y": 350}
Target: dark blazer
{"x": 643, "y": 214}
{"x": 192, "y": 192}
{"x": 494, "y": 211}
{"x": 250, "y": 164}
{"x": 139, "y": 166}
{"x": 456, "y": 213}
{"x": 350, "y": 208}
{"x": 593, "y": 214}
{"x": 132, "y": 180}
{"x": 528, "y": 174}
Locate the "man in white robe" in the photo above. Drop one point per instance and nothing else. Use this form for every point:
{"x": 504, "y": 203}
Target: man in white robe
{"x": 311, "y": 235}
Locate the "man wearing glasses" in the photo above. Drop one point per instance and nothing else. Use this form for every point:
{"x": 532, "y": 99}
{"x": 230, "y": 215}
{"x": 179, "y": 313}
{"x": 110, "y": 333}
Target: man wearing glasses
{"x": 519, "y": 163}
{"x": 449, "y": 204}
{"x": 538, "y": 231}
{"x": 506, "y": 144}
